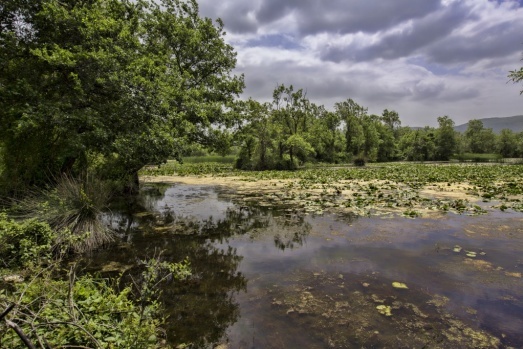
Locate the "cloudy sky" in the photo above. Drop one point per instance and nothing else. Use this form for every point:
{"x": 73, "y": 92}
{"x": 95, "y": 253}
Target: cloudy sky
{"x": 422, "y": 58}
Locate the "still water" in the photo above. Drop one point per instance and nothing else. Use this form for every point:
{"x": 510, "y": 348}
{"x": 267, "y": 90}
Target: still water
{"x": 272, "y": 277}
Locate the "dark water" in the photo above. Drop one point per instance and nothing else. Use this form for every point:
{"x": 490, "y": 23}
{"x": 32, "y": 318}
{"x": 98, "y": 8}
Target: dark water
{"x": 275, "y": 278}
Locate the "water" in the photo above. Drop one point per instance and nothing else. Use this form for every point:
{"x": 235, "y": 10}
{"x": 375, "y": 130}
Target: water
{"x": 274, "y": 278}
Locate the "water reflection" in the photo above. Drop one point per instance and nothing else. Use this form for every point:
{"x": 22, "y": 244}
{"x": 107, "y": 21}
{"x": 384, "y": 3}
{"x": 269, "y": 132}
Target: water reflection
{"x": 194, "y": 223}
{"x": 273, "y": 278}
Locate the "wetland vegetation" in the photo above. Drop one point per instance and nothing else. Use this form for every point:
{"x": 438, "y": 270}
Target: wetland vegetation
{"x": 144, "y": 205}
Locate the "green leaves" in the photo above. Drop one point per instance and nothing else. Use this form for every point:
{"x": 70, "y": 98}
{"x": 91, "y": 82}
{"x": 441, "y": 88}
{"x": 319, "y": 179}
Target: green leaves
{"x": 24, "y": 244}
{"x": 113, "y": 78}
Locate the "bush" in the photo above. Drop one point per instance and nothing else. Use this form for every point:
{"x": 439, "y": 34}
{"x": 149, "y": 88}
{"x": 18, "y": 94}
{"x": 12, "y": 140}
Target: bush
{"x": 359, "y": 161}
{"x": 89, "y": 312}
{"x": 72, "y": 205}
{"x": 26, "y": 243}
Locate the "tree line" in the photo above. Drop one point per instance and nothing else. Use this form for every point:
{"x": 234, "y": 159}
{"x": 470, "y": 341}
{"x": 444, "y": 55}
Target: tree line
{"x": 292, "y": 130}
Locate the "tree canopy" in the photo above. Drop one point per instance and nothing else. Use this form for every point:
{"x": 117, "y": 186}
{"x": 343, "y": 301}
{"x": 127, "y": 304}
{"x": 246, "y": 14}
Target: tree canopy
{"x": 107, "y": 84}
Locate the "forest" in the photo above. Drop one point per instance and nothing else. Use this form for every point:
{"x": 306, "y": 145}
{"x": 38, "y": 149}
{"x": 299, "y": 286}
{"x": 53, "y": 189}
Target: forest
{"x": 94, "y": 91}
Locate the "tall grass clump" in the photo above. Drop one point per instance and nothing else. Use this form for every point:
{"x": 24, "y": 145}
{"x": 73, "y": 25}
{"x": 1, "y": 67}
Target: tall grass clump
{"x": 73, "y": 208}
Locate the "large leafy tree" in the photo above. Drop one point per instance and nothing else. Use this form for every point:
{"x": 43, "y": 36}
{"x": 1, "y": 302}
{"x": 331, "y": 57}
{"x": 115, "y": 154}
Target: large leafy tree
{"x": 327, "y": 139}
{"x": 256, "y": 135}
{"x": 446, "y": 141}
{"x": 507, "y": 143}
{"x": 352, "y": 115}
{"x": 292, "y": 112}
{"x": 112, "y": 84}
{"x": 479, "y": 139}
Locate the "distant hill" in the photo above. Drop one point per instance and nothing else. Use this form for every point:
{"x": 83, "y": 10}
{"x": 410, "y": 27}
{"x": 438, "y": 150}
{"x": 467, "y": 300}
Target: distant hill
{"x": 514, "y": 123}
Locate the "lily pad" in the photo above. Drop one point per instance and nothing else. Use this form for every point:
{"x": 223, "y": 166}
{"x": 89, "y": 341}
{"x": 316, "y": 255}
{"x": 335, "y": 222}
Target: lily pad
{"x": 457, "y": 249}
{"x": 401, "y": 285}
{"x": 384, "y": 309}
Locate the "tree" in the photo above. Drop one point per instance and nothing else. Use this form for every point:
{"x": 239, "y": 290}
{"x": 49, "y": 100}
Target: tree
{"x": 446, "y": 141}
{"x": 256, "y": 136}
{"x": 516, "y": 76}
{"x": 506, "y": 143}
{"x": 519, "y": 145}
{"x": 292, "y": 112}
{"x": 327, "y": 140}
{"x": 479, "y": 139}
{"x": 107, "y": 84}
{"x": 388, "y": 148}
{"x": 371, "y": 136}
{"x": 418, "y": 145}
{"x": 391, "y": 119}
{"x": 473, "y": 135}
{"x": 352, "y": 113}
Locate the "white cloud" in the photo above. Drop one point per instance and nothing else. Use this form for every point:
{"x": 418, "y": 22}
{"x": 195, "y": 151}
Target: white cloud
{"x": 422, "y": 58}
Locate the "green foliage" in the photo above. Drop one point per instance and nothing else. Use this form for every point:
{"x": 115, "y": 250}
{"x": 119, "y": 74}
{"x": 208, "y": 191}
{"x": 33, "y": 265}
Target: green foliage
{"x": 506, "y": 143}
{"x": 516, "y": 76}
{"x": 87, "y": 313}
{"x": 125, "y": 81}
{"x": 73, "y": 206}
{"x": 445, "y": 138}
{"x": 326, "y": 137}
{"x": 359, "y": 161}
{"x": 418, "y": 145}
{"x": 479, "y": 139}
{"x": 229, "y": 159}
{"x": 474, "y": 157}
{"x": 300, "y": 147}
{"x": 156, "y": 272}
{"x": 351, "y": 113}
{"x": 172, "y": 168}
{"x": 24, "y": 244}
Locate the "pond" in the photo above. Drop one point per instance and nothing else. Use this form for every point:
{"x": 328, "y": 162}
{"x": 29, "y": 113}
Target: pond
{"x": 275, "y": 277}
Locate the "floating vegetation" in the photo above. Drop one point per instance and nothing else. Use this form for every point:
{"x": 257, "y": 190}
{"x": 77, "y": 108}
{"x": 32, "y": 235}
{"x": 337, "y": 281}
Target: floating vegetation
{"x": 384, "y": 309}
{"x": 352, "y": 318}
{"x": 471, "y": 254}
{"x": 401, "y": 285}
{"x": 412, "y": 190}
{"x": 457, "y": 249}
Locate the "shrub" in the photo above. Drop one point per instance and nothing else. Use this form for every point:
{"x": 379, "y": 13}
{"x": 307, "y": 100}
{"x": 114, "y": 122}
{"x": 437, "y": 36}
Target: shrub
{"x": 89, "y": 312}
{"x": 72, "y": 205}
{"x": 26, "y": 243}
{"x": 359, "y": 161}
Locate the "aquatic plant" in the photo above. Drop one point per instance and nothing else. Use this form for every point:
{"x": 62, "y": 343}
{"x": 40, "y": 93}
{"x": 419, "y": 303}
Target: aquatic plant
{"x": 382, "y": 186}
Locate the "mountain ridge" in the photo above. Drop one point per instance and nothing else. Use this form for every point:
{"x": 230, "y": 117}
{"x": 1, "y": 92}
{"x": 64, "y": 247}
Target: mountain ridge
{"x": 514, "y": 123}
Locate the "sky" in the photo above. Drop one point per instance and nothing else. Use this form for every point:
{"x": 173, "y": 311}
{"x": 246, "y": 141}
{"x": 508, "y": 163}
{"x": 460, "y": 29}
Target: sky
{"x": 422, "y": 58}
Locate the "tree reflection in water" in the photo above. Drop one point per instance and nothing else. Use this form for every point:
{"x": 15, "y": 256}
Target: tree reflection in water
{"x": 200, "y": 309}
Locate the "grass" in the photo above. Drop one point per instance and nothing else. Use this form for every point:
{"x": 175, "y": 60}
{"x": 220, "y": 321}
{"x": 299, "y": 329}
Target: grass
{"x": 74, "y": 205}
